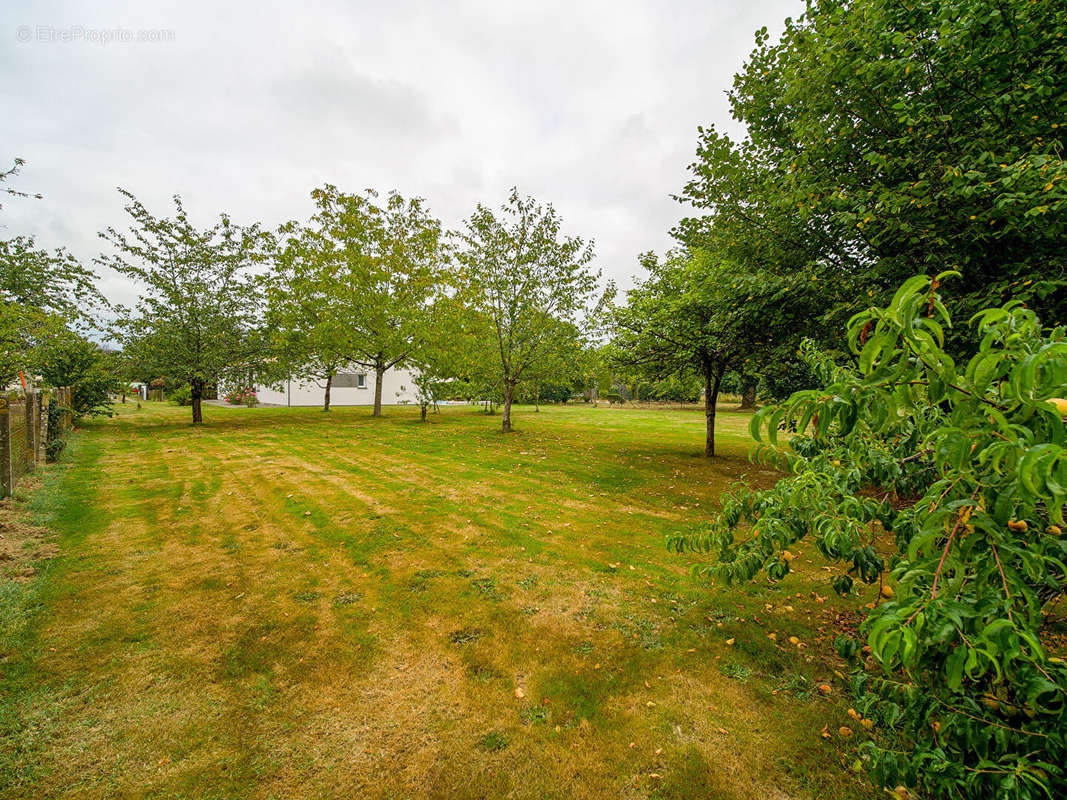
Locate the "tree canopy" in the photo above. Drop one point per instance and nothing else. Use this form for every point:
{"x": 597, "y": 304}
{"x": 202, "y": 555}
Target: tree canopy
{"x": 696, "y": 314}
{"x": 386, "y": 266}
{"x": 196, "y": 318}
{"x": 887, "y": 138}
{"x": 525, "y": 276}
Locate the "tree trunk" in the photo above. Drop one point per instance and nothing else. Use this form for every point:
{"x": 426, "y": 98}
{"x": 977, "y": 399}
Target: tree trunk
{"x": 537, "y": 398}
{"x": 509, "y": 390}
{"x": 379, "y": 371}
{"x": 748, "y": 396}
{"x": 326, "y": 397}
{"x": 423, "y": 410}
{"x": 712, "y": 380}
{"x": 196, "y": 393}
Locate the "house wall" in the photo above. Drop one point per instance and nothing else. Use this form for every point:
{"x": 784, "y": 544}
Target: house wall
{"x": 397, "y": 389}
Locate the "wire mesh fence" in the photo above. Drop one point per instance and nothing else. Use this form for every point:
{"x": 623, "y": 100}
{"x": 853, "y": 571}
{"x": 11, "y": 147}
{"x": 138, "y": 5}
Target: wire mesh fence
{"x": 24, "y": 431}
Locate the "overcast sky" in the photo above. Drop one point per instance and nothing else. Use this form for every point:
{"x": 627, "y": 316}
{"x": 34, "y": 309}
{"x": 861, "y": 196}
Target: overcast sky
{"x": 245, "y": 107}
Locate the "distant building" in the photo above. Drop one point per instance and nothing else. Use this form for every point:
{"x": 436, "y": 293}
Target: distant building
{"x": 350, "y": 388}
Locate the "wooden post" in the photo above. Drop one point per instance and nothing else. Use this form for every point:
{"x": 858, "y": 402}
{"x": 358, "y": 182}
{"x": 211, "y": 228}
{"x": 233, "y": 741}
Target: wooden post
{"x": 42, "y": 427}
{"x": 30, "y": 409}
{"x": 7, "y": 476}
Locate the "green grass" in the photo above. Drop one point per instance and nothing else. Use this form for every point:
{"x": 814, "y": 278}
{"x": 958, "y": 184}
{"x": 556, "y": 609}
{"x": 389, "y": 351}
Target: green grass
{"x": 284, "y": 603}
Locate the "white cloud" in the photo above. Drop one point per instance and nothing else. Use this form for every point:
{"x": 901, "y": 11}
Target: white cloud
{"x": 590, "y": 106}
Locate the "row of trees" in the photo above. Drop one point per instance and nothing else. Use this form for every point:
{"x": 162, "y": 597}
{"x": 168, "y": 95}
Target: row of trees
{"x": 505, "y": 309}
{"x": 508, "y": 300}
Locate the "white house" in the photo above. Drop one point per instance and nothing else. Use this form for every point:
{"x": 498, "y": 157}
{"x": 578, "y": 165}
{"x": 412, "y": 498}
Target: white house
{"x": 350, "y": 388}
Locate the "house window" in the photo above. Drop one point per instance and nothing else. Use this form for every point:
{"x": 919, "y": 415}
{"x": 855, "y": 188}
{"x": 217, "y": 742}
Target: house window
{"x": 350, "y": 380}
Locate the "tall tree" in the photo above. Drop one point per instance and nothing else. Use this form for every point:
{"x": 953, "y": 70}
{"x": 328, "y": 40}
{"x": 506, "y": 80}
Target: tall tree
{"x": 388, "y": 267}
{"x": 196, "y": 317}
{"x": 309, "y": 315}
{"x": 44, "y": 298}
{"x": 887, "y": 138}
{"x": 699, "y": 314}
{"x": 525, "y": 276}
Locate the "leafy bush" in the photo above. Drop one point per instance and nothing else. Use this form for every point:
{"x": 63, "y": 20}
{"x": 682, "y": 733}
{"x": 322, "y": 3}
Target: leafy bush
{"x": 246, "y": 396}
{"x": 69, "y": 359}
{"x": 182, "y": 396}
{"x": 54, "y": 441}
{"x": 968, "y": 469}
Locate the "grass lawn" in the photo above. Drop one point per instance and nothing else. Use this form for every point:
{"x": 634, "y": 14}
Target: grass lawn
{"x": 285, "y": 603}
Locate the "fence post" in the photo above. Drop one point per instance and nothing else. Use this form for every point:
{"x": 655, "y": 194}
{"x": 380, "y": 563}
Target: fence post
{"x": 30, "y": 407}
{"x": 42, "y": 427}
{"x": 6, "y": 473}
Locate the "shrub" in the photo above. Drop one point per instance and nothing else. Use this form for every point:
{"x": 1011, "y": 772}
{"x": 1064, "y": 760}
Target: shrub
{"x": 958, "y": 677}
{"x": 182, "y": 396}
{"x": 54, "y": 440}
{"x": 245, "y": 396}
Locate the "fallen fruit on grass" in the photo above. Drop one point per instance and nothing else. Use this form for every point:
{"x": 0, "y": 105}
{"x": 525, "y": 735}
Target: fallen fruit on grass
{"x": 519, "y": 693}
{"x": 867, "y": 723}
{"x": 853, "y": 713}
{"x": 824, "y": 688}
{"x": 1054, "y": 530}
{"x": 845, "y": 731}
{"x": 787, "y": 556}
{"x": 794, "y": 640}
{"x": 887, "y": 591}
{"x": 731, "y": 642}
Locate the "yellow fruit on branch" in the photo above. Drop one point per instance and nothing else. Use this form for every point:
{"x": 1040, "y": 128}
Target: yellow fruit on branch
{"x": 1018, "y": 525}
{"x": 887, "y": 591}
{"x": 1060, "y": 404}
